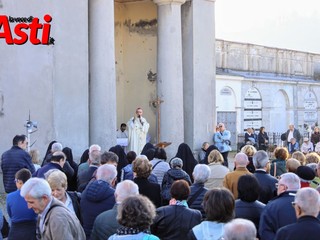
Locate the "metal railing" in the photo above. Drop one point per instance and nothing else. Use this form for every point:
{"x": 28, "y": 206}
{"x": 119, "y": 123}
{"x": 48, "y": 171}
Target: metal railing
{"x": 274, "y": 139}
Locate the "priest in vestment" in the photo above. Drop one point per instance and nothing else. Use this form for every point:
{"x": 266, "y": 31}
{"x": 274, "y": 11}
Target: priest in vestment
{"x": 138, "y": 128}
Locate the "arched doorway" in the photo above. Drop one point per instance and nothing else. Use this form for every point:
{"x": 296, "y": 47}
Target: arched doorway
{"x": 278, "y": 114}
{"x": 226, "y": 112}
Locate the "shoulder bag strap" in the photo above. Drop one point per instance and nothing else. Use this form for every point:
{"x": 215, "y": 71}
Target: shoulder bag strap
{"x": 194, "y": 197}
{"x": 156, "y": 164}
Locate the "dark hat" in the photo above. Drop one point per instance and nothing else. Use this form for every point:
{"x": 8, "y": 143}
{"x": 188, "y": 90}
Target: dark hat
{"x": 306, "y": 173}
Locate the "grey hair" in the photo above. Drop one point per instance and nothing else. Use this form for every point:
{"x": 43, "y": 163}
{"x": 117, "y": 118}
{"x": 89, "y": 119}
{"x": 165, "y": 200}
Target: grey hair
{"x": 201, "y": 173}
{"x": 108, "y": 157}
{"x": 142, "y": 157}
{"x": 313, "y": 166}
{"x": 308, "y": 199}
{"x": 107, "y": 172}
{"x": 240, "y": 229}
{"x": 291, "y": 180}
{"x": 36, "y": 188}
{"x": 94, "y": 147}
{"x": 126, "y": 189}
{"x": 95, "y": 158}
{"x": 260, "y": 159}
{"x": 241, "y": 159}
{"x": 56, "y": 147}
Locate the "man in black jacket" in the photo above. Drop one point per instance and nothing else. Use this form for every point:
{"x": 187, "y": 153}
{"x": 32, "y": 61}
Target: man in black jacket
{"x": 267, "y": 182}
{"x": 13, "y": 160}
{"x": 293, "y": 133}
{"x": 279, "y": 212}
{"x": 306, "y": 206}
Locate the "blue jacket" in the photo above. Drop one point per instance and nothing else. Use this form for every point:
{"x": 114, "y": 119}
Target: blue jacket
{"x": 171, "y": 176}
{"x": 18, "y": 210}
{"x": 95, "y": 199}
{"x": 220, "y": 139}
{"x": 276, "y": 214}
{"x": 249, "y": 210}
{"x": 267, "y": 184}
{"x": 306, "y": 228}
{"x": 126, "y": 173}
{"x": 197, "y": 202}
{"x": 41, "y": 171}
{"x": 11, "y": 162}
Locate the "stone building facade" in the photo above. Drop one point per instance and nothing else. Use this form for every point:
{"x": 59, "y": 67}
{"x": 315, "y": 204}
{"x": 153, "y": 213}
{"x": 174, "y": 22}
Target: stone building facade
{"x": 263, "y": 86}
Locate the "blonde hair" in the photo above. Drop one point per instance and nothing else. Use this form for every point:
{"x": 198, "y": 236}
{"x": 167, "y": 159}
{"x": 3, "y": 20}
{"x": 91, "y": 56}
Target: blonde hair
{"x": 215, "y": 157}
{"x": 35, "y": 156}
{"x": 312, "y": 158}
{"x": 57, "y": 179}
{"x": 142, "y": 167}
{"x": 292, "y": 164}
{"x": 300, "y": 157}
{"x": 249, "y": 150}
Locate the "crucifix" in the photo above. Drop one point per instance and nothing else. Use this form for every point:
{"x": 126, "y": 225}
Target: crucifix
{"x": 156, "y": 104}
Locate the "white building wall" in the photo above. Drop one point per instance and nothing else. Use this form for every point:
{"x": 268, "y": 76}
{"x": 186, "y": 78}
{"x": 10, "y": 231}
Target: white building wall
{"x": 50, "y": 81}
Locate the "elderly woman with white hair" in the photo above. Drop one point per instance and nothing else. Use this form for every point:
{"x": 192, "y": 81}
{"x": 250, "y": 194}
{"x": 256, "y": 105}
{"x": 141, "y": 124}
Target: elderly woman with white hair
{"x": 201, "y": 173}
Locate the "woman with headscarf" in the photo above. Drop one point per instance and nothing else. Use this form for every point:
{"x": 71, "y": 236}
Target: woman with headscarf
{"x": 84, "y": 156}
{"x": 122, "y": 159}
{"x": 48, "y": 152}
{"x": 146, "y": 148}
{"x": 72, "y": 181}
{"x": 186, "y": 155}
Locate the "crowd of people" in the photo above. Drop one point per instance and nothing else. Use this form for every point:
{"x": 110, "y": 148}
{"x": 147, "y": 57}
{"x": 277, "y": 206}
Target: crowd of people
{"x": 113, "y": 194}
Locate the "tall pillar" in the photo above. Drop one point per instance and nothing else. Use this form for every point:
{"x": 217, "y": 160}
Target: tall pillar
{"x": 199, "y": 70}
{"x": 102, "y": 85}
{"x": 169, "y": 73}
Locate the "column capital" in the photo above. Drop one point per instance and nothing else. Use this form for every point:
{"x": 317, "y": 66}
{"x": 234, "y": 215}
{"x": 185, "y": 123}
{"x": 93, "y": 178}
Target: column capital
{"x": 165, "y": 2}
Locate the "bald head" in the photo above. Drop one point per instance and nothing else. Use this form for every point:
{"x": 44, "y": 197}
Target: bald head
{"x": 126, "y": 189}
{"x": 241, "y": 160}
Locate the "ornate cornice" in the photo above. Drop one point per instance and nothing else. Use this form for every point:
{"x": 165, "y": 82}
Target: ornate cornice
{"x": 165, "y": 2}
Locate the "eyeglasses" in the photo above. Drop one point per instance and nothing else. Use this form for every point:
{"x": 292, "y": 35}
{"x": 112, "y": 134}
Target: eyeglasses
{"x": 16, "y": 180}
{"x": 280, "y": 184}
{"x": 293, "y": 204}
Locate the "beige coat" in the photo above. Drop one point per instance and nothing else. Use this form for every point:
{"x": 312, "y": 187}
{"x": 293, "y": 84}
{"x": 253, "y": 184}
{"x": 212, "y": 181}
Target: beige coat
{"x": 218, "y": 172}
{"x": 60, "y": 224}
{"x": 230, "y": 181}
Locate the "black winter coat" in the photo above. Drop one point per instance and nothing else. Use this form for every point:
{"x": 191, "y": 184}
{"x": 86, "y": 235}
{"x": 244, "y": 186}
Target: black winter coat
{"x": 174, "y": 222}
{"x": 197, "y": 202}
{"x": 11, "y": 162}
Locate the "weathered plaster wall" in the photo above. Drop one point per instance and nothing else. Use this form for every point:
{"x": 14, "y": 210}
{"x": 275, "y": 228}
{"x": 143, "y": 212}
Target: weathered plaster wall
{"x": 136, "y": 49}
{"x": 50, "y": 81}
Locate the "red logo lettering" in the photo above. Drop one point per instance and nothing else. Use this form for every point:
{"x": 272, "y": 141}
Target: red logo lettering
{"x": 26, "y": 29}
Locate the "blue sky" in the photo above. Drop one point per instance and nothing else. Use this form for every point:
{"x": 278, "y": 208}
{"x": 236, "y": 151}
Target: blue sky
{"x": 290, "y": 24}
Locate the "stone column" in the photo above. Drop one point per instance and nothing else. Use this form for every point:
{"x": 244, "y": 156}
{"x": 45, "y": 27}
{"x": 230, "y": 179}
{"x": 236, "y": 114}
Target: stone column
{"x": 199, "y": 70}
{"x": 102, "y": 85}
{"x": 169, "y": 73}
